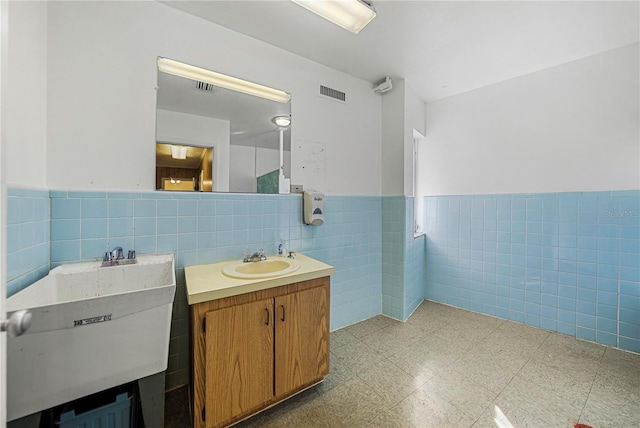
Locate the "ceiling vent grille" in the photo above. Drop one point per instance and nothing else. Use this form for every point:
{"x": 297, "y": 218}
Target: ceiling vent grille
{"x": 334, "y": 94}
{"x": 203, "y": 86}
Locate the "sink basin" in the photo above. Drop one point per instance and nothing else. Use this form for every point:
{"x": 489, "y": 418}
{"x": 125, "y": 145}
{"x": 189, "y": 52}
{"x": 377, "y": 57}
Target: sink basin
{"x": 264, "y": 269}
{"x": 93, "y": 328}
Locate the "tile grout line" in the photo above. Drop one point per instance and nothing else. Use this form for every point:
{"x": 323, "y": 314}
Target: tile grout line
{"x": 512, "y": 378}
{"x": 592, "y": 383}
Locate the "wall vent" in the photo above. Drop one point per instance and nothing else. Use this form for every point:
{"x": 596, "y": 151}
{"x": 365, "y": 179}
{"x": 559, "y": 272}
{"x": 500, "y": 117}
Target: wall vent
{"x": 203, "y": 86}
{"x": 334, "y": 94}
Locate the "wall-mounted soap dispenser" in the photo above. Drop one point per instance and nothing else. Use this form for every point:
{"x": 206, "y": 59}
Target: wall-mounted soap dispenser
{"x": 313, "y": 209}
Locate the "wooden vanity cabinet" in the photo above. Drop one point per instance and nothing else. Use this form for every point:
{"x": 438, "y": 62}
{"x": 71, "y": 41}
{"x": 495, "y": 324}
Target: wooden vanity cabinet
{"x": 255, "y": 349}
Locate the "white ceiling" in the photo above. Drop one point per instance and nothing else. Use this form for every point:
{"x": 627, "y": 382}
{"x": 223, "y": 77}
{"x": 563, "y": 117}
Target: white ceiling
{"x": 441, "y": 48}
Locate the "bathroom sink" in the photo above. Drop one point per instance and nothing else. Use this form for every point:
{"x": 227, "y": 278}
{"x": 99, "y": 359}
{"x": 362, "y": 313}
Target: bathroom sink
{"x": 264, "y": 269}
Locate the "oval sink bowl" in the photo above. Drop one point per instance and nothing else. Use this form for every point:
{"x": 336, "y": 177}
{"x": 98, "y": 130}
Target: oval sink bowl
{"x": 264, "y": 269}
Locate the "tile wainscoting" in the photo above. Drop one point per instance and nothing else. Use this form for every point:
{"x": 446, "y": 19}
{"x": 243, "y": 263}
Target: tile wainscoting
{"x": 566, "y": 262}
{"x": 48, "y": 228}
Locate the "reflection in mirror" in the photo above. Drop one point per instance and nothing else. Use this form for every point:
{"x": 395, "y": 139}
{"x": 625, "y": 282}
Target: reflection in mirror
{"x": 183, "y": 168}
{"x": 233, "y": 144}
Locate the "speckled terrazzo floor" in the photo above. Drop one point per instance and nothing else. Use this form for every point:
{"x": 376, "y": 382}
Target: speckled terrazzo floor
{"x": 446, "y": 367}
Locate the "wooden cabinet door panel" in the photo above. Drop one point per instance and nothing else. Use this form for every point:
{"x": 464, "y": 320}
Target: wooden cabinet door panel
{"x": 302, "y": 339}
{"x": 239, "y": 360}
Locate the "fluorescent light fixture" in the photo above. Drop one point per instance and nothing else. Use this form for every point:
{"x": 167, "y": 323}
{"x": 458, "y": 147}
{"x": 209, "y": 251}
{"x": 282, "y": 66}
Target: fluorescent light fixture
{"x": 352, "y": 15}
{"x": 180, "y": 69}
{"x": 179, "y": 152}
{"x": 282, "y": 121}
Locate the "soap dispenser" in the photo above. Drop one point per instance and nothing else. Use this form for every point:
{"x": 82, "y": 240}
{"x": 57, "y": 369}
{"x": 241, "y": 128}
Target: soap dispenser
{"x": 313, "y": 208}
{"x": 282, "y": 250}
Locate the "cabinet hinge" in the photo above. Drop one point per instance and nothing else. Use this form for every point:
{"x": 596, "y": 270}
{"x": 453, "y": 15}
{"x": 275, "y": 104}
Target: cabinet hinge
{"x": 203, "y": 414}
{"x": 204, "y": 325}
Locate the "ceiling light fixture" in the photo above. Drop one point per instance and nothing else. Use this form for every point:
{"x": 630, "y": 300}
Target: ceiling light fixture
{"x": 179, "y": 152}
{"x": 180, "y": 69}
{"x": 352, "y": 15}
{"x": 282, "y": 121}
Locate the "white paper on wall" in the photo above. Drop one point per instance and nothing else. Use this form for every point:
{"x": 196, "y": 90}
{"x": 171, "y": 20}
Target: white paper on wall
{"x": 309, "y": 159}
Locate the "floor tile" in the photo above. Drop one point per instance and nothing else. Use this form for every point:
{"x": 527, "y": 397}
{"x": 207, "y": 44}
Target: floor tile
{"x": 176, "y": 408}
{"x": 349, "y": 404}
{"x": 607, "y": 408}
{"x": 340, "y": 338}
{"x": 493, "y": 374}
{"x": 369, "y": 326}
{"x": 392, "y": 338}
{"x": 465, "y": 331}
{"x": 548, "y": 402}
{"x": 482, "y": 320}
{"x": 384, "y": 321}
{"x": 528, "y": 332}
{"x": 425, "y": 408}
{"x": 569, "y": 354}
{"x": 354, "y": 357}
{"x": 428, "y": 321}
{"x": 467, "y": 396}
{"x": 425, "y": 358}
{"x": 506, "y": 415}
{"x": 390, "y": 419}
{"x": 389, "y": 382}
{"x": 619, "y": 372}
{"x": 446, "y": 367}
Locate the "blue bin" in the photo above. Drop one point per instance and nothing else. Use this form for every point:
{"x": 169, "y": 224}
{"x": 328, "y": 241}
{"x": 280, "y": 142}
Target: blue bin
{"x": 114, "y": 415}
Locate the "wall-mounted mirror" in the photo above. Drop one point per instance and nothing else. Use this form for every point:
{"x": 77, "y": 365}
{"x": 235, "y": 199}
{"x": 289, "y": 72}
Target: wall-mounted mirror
{"x": 229, "y": 139}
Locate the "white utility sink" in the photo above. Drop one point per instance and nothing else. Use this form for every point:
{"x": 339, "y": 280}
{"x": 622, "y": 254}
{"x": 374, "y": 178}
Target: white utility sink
{"x": 270, "y": 268}
{"x": 92, "y": 328}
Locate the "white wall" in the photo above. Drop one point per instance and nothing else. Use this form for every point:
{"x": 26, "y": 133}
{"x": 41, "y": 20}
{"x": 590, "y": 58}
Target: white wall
{"x": 24, "y": 94}
{"x": 267, "y": 160}
{"x": 402, "y": 111}
{"x": 101, "y": 100}
{"x": 246, "y": 165}
{"x": 393, "y": 140}
{"x": 242, "y": 170}
{"x": 414, "y": 119}
{"x": 189, "y": 129}
{"x": 574, "y": 127}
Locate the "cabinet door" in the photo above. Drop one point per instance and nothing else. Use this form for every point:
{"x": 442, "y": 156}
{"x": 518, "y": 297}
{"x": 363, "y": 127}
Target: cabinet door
{"x": 239, "y": 360}
{"x": 302, "y": 339}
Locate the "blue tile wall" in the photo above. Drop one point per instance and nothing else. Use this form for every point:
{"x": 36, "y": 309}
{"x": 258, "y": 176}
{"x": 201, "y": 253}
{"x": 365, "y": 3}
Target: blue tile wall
{"x": 28, "y": 234}
{"x": 208, "y": 227}
{"x": 393, "y": 240}
{"x": 567, "y": 262}
{"x": 403, "y": 259}
{"x": 414, "y": 264}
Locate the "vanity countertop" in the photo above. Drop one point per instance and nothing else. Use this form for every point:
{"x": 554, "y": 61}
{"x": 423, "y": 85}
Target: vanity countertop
{"x": 207, "y": 282}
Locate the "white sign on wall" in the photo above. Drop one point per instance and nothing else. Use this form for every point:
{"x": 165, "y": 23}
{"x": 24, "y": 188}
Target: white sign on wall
{"x": 310, "y": 164}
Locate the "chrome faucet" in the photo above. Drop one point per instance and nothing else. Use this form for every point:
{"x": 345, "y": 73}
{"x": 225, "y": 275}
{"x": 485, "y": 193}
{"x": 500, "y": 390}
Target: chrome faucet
{"x": 116, "y": 257}
{"x": 117, "y": 254}
{"x": 255, "y": 257}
